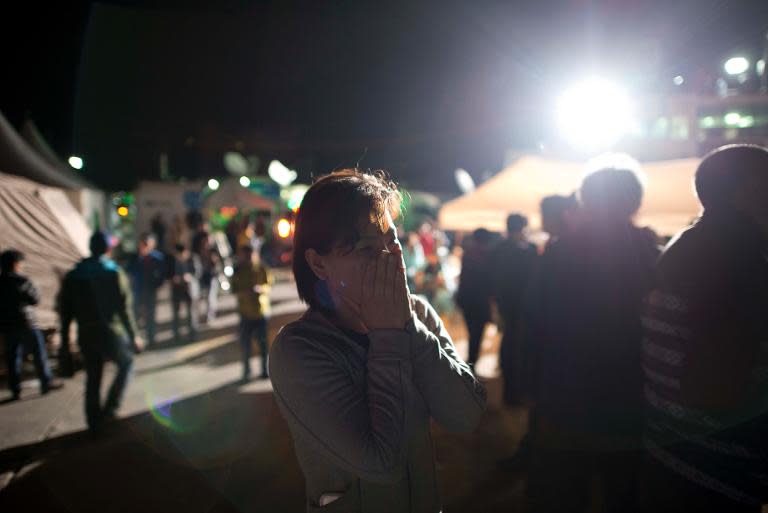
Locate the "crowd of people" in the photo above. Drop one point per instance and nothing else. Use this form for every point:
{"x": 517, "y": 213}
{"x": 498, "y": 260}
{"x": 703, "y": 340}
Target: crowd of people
{"x": 112, "y": 307}
{"x": 644, "y": 369}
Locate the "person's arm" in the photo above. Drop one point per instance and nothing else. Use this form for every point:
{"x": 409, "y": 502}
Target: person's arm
{"x": 454, "y": 396}
{"x": 29, "y": 293}
{"x": 125, "y": 309}
{"x": 361, "y": 429}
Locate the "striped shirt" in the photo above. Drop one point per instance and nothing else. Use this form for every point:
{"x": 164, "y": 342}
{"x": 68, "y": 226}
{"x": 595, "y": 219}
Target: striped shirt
{"x": 699, "y": 316}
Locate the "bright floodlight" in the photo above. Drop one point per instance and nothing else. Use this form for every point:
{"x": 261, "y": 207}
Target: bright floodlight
{"x": 736, "y": 65}
{"x": 594, "y": 114}
{"x": 245, "y": 181}
{"x": 213, "y": 184}
{"x": 76, "y": 162}
{"x": 678, "y": 80}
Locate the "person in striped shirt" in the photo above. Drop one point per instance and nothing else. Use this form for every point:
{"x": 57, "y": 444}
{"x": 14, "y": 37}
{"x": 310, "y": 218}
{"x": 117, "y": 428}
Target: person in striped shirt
{"x": 705, "y": 347}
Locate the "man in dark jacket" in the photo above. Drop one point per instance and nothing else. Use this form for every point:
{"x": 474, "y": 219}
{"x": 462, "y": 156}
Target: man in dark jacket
{"x": 18, "y": 325}
{"x": 513, "y": 263}
{"x": 97, "y": 295}
{"x": 704, "y": 353}
{"x": 589, "y": 407}
{"x": 148, "y": 272}
{"x": 476, "y": 288}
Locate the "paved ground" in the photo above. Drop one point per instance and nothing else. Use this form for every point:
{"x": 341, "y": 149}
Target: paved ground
{"x": 191, "y": 439}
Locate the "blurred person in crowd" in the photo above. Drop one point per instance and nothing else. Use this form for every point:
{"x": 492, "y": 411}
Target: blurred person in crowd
{"x": 704, "y": 354}
{"x": 18, "y": 324}
{"x": 96, "y": 294}
{"x": 178, "y": 232}
{"x": 476, "y": 289}
{"x": 559, "y": 215}
{"x": 413, "y": 256}
{"x": 514, "y": 260}
{"x": 148, "y": 272}
{"x": 588, "y": 397}
{"x": 361, "y": 374}
{"x": 185, "y": 290}
{"x": 159, "y": 228}
{"x": 210, "y": 262}
{"x": 427, "y": 239}
{"x": 251, "y": 283}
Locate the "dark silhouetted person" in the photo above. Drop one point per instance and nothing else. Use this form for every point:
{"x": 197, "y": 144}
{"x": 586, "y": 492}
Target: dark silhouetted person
{"x": 96, "y": 294}
{"x": 514, "y": 260}
{"x": 18, "y": 325}
{"x": 476, "y": 289}
{"x": 210, "y": 261}
{"x": 558, "y": 217}
{"x": 148, "y": 272}
{"x": 185, "y": 291}
{"x": 251, "y": 283}
{"x": 360, "y": 377}
{"x": 705, "y": 355}
{"x": 588, "y": 399}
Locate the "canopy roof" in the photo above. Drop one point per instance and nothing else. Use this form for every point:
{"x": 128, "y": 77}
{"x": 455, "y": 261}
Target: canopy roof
{"x": 669, "y": 202}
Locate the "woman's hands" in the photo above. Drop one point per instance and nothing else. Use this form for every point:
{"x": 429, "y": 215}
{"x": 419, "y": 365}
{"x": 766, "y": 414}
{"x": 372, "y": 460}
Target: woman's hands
{"x": 385, "y": 302}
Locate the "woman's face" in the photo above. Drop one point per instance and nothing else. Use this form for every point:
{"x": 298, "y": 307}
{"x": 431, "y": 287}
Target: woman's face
{"x": 345, "y": 267}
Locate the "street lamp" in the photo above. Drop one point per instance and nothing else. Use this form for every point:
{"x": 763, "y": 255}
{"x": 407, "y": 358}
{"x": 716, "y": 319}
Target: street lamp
{"x": 213, "y": 184}
{"x": 736, "y": 65}
{"x": 245, "y": 181}
{"x": 75, "y": 162}
{"x": 594, "y": 114}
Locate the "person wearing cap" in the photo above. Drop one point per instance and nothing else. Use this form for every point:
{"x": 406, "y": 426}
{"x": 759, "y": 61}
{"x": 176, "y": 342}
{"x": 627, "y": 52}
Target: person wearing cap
{"x": 96, "y": 294}
{"x": 705, "y": 350}
{"x": 18, "y": 325}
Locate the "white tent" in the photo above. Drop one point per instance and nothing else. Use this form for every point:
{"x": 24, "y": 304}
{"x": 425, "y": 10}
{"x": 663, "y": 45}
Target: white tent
{"x": 669, "y": 203}
{"x": 232, "y": 194}
{"x": 38, "y": 217}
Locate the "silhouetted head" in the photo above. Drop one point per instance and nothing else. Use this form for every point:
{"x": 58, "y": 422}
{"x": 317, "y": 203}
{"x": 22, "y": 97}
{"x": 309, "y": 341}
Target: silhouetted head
{"x": 735, "y": 177}
{"x": 611, "y": 194}
{"x": 516, "y": 223}
{"x": 10, "y": 261}
{"x": 346, "y": 219}
{"x": 556, "y": 213}
{"x": 100, "y": 243}
{"x": 482, "y": 237}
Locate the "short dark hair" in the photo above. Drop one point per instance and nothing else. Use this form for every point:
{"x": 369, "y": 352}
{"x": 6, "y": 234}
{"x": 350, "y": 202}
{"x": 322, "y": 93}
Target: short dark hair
{"x": 331, "y": 216}
{"x": 612, "y": 192}
{"x": 99, "y": 243}
{"x": 516, "y": 223}
{"x": 482, "y": 236}
{"x": 725, "y": 169}
{"x": 9, "y": 258}
{"x": 180, "y": 248}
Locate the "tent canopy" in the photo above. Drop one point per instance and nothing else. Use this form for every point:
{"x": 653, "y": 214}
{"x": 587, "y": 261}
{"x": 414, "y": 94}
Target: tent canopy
{"x": 232, "y": 194}
{"x": 669, "y": 202}
{"x": 18, "y": 158}
{"x": 41, "y": 222}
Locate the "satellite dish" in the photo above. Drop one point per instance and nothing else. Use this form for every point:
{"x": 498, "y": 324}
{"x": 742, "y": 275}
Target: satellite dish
{"x": 281, "y": 174}
{"x": 235, "y": 163}
{"x": 464, "y": 181}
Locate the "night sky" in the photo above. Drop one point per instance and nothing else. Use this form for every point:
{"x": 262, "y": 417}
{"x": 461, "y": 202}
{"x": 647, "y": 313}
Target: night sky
{"x": 416, "y": 88}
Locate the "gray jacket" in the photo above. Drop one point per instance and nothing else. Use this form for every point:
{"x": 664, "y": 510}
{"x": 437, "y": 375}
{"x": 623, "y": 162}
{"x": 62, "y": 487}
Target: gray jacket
{"x": 360, "y": 420}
